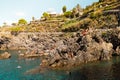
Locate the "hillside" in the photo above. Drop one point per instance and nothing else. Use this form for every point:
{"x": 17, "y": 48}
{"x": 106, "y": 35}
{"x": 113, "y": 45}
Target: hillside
{"x": 92, "y": 17}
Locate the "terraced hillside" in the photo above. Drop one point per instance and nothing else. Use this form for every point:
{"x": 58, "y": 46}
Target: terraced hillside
{"x": 94, "y": 17}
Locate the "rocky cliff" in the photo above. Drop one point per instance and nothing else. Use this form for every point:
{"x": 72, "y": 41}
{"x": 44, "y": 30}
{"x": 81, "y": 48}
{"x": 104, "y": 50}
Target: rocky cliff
{"x": 65, "y": 49}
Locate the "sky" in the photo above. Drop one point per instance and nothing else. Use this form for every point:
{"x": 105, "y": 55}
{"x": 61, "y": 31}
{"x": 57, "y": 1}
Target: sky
{"x": 13, "y": 10}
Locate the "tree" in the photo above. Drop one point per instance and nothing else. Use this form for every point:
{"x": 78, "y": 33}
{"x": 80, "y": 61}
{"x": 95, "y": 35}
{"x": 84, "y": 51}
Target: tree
{"x": 4, "y": 24}
{"x": 68, "y": 14}
{"x": 46, "y": 15}
{"x": 14, "y": 24}
{"x": 101, "y": 0}
{"x": 22, "y": 22}
{"x": 74, "y": 12}
{"x": 33, "y": 18}
{"x": 64, "y": 9}
{"x": 78, "y": 7}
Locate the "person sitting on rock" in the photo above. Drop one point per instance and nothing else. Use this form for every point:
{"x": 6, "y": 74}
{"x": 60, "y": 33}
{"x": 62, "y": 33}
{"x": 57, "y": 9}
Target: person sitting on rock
{"x": 84, "y": 32}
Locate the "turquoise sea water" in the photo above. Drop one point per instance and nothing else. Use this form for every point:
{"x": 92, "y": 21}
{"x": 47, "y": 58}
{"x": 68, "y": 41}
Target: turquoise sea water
{"x": 15, "y": 69}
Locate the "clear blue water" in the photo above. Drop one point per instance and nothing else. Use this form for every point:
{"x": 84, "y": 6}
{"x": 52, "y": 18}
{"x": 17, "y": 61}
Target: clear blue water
{"x": 103, "y": 70}
{"x": 10, "y": 69}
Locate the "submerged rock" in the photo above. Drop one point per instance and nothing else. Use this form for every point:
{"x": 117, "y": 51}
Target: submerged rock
{"x": 29, "y": 55}
{"x": 18, "y": 67}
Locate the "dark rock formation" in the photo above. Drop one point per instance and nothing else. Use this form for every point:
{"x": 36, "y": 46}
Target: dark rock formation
{"x": 76, "y": 50}
{"x": 65, "y": 49}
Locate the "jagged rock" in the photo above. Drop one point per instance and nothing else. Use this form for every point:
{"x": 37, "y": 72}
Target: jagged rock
{"x": 21, "y": 55}
{"x": 117, "y": 51}
{"x": 63, "y": 50}
{"x": 5, "y": 55}
{"x": 107, "y": 49}
{"x": 45, "y": 54}
{"x": 29, "y": 54}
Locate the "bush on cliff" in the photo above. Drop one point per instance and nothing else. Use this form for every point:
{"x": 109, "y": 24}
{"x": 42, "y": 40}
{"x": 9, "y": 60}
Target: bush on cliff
{"x": 68, "y": 14}
{"x": 22, "y": 22}
{"x": 18, "y": 28}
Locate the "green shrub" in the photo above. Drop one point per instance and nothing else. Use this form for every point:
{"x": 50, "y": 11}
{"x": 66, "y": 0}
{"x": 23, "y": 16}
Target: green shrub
{"x": 96, "y": 14}
{"x": 86, "y": 23}
{"x": 68, "y": 14}
{"x": 17, "y": 28}
{"x": 46, "y": 15}
{"x": 22, "y": 22}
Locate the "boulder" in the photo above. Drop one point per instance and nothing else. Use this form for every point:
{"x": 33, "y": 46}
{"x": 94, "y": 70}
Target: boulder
{"x": 45, "y": 54}
{"x": 106, "y": 52}
{"x": 21, "y": 55}
{"x": 30, "y": 54}
{"x": 5, "y": 55}
{"x": 117, "y": 51}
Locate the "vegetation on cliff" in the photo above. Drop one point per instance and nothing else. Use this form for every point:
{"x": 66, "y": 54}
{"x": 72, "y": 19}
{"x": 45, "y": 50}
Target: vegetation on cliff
{"x": 71, "y": 20}
{"x": 94, "y": 17}
{"x": 49, "y": 22}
